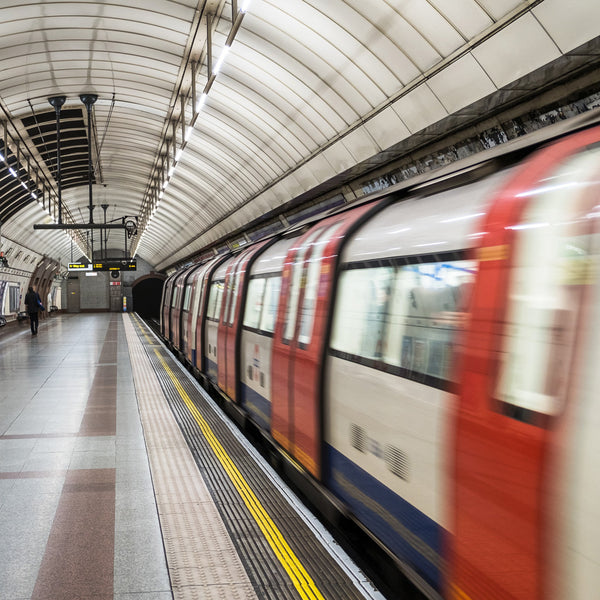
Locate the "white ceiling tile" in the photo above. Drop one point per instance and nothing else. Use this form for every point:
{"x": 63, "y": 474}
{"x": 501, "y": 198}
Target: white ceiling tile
{"x": 516, "y": 50}
{"x": 569, "y": 24}
{"x": 386, "y": 128}
{"x": 461, "y": 83}
{"x": 419, "y": 108}
{"x": 360, "y": 144}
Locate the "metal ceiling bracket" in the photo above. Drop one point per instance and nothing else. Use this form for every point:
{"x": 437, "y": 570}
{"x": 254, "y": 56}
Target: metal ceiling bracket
{"x": 209, "y": 19}
{"x": 194, "y": 74}
{"x": 182, "y": 98}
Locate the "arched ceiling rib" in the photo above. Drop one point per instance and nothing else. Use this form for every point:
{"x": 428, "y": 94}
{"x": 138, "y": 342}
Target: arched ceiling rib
{"x": 310, "y": 90}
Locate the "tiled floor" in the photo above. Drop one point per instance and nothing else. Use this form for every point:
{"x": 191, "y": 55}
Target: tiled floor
{"x": 78, "y": 517}
{"x": 82, "y": 489}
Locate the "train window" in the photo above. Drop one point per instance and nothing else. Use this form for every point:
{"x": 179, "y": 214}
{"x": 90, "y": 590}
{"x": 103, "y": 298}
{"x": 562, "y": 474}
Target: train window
{"x": 428, "y": 307}
{"x": 270, "y": 304}
{"x": 174, "y": 297}
{"x": 552, "y": 263}
{"x": 254, "y": 302}
{"x": 361, "y": 311}
{"x": 187, "y": 296}
{"x": 296, "y": 285}
{"x": 214, "y": 300}
{"x": 403, "y": 318}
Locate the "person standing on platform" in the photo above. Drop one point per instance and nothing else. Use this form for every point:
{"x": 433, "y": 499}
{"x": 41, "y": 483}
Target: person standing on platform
{"x": 33, "y": 303}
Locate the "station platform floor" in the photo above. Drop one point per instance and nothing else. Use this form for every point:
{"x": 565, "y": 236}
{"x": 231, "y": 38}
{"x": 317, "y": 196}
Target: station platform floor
{"x": 120, "y": 478}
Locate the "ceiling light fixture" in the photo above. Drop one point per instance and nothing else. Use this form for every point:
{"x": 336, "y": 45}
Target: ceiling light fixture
{"x": 168, "y": 162}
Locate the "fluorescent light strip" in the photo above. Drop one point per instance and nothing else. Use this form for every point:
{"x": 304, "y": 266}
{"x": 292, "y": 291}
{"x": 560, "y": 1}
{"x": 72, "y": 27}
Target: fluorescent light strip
{"x": 201, "y": 102}
{"x": 221, "y": 60}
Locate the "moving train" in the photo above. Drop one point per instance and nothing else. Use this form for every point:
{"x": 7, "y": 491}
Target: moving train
{"x": 429, "y": 355}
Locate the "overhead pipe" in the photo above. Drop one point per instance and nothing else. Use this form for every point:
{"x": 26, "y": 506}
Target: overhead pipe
{"x": 57, "y": 102}
{"x": 104, "y": 253}
{"x": 89, "y": 100}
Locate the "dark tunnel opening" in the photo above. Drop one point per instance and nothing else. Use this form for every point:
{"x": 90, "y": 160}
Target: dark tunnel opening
{"x": 146, "y": 297}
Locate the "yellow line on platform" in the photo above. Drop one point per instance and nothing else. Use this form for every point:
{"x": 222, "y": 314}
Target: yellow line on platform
{"x": 300, "y": 578}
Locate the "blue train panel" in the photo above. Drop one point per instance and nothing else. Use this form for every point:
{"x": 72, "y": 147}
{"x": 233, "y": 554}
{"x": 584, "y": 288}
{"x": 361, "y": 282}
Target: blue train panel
{"x": 412, "y": 536}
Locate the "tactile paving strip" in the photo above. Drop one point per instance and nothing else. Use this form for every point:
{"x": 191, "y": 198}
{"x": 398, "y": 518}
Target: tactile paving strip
{"x": 202, "y": 560}
{"x": 269, "y": 575}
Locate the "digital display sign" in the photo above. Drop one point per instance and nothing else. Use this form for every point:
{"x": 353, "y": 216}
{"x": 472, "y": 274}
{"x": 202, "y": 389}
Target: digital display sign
{"x": 115, "y": 265}
{"x": 80, "y": 267}
{"x": 107, "y": 265}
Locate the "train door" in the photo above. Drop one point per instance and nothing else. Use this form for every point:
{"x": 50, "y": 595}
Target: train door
{"x": 200, "y": 313}
{"x": 166, "y": 306}
{"x": 229, "y": 326}
{"x": 177, "y": 307}
{"x": 185, "y": 321}
{"x": 516, "y": 379}
{"x": 225, "y": 331}
{"x": 299, "y": 337}
{"x": 213, "y": 318}
{"x": 198, "y": 281}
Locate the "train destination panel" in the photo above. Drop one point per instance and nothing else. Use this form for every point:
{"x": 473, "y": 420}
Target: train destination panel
{"x": 109, "y": 265}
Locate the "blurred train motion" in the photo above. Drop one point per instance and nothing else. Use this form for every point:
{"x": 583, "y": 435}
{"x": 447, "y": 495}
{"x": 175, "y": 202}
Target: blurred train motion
{"x": 431, "y": 356}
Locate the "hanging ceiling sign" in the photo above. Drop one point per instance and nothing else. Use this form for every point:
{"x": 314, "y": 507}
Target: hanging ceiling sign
{"x": 80, "y": 267}
{"x": 115, "y": 265}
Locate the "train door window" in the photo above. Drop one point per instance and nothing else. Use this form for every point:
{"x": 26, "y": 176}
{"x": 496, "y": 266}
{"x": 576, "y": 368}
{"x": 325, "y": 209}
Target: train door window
{"x": 186, "y": 296}
{"x": 197, "y": 289}
{"x": 270, "y": 304}
{"x": 14, "y": 298}
{"x": 254, "y": 302}
{"x": 296, "y": 284}
{"x": 360, "y": 312}
{"x": 227, "y": 294}
{"x": 427, "y": 308}
{"x": 313, "y": 276}
{"x": 214, "y": 300}
{"x": 233, "y": 295}
{"x": 551, "y": 263}
{"x": 174, "y": 298}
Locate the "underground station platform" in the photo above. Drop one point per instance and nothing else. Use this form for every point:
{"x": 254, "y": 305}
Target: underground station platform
{"x": 121, "y": 478}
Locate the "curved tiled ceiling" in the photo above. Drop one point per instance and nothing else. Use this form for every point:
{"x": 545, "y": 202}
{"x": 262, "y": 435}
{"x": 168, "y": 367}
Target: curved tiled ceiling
{"x": 309, "y": 89}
